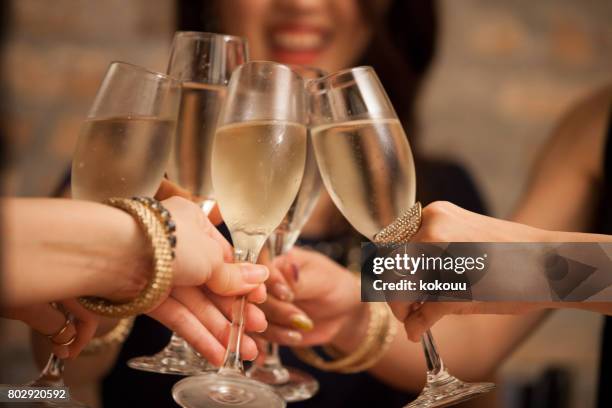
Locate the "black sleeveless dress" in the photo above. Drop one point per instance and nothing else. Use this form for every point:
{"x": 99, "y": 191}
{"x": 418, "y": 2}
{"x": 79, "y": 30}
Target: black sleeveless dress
{"x": 605, "y": 227}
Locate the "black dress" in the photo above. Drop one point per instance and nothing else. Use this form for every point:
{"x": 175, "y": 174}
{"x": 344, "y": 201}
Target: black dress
{"x": 124, "y": 387}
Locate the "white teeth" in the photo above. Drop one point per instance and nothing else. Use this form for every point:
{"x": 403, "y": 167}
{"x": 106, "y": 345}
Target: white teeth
{"x": 298, "y": 42}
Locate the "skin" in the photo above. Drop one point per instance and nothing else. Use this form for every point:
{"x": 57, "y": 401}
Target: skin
{"x": 339, "y": 30}
{"x": 570, "y": 171}
{"x": 113, "y": 261}
{"x": 473, "y": 341}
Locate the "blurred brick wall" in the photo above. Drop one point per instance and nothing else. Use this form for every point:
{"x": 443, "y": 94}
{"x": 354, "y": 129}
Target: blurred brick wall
{"x": 55, "y": 55}
{"x": 506, "y": 70}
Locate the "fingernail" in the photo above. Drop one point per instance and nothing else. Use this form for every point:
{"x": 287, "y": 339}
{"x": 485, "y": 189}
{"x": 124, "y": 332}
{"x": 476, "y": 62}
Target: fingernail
{"x": 302, "y": 322}
{"x": 282, "y": 292}
{"x": 295, "y": 271}
{"x": 252, "y": 273}
{"x": 294, "y": 337}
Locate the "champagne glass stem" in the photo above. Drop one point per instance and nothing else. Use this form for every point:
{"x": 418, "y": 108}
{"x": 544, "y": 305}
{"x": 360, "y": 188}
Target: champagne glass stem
{"x": 279, "y": 243}
{"x": 232, "y": 363}
{"x": 177, "y": 344}
{"x": 272, "y": 359}
{"x": 436, "y": 371}
{"x": 51, "y": 375}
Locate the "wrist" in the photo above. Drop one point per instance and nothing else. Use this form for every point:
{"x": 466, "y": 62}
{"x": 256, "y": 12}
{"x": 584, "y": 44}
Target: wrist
{"x": 353, "y": 330}
{"x": 128, "y": 258}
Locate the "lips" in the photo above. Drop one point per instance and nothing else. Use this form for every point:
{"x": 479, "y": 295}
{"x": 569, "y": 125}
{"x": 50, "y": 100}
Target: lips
{"x": 298, "y": 44}
{"x": 297, "y": 41}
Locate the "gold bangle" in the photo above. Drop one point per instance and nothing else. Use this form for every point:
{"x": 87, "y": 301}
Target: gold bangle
{"x": 114, "y": 337}
{"x": 377, "y": 339}
{"x": 386, "y": 336}
{"x": 162, "y": 242}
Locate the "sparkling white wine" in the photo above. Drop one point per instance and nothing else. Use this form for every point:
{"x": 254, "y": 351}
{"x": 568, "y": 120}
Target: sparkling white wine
{"x": 257, "y": 168}
{"x": 368, "y": 169}
{"x": 121, "y": 157}
{"x": 288, "y": 231}
{"x": 189, "y": 164}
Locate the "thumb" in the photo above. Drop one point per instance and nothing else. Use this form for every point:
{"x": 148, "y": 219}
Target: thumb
{"x": 237, "y": 279}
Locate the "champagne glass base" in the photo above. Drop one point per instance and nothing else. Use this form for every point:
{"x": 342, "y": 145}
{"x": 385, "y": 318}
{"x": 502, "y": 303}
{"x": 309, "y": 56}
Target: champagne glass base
{"x": 222, "y": 391}
{"x": 167, "y": 362}
{"x": 290, "y": 383}
{"x": 450, "y": 392}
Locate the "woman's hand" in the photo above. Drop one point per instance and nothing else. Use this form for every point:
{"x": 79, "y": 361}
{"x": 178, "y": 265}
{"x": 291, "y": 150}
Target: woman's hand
{"x": 206, "y": 284}
{"x": 446, "y": 222}
{"x": 169, "y": 189}
{"x": 50, "y": 321}
{"x": 314, "y": 300}
{"x": 419, "y": 318}
{"x": 203, "y": 319}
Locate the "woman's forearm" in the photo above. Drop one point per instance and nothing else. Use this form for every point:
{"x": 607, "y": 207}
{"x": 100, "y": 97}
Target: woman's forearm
{"x": 57, "y": 249}
{"x": 473, "y": 347}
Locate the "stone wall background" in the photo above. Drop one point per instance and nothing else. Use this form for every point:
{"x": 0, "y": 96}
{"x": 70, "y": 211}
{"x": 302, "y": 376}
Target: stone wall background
{"x": 53, "y": 61}
{"x": 505, "y": 72}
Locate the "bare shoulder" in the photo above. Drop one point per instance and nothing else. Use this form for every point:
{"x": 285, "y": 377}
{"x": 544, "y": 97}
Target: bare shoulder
{"x": 581, "y": 133}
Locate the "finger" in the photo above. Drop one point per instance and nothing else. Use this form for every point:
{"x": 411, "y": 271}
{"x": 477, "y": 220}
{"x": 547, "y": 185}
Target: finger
{"x": 237, "y": 279}
{"x": 258, "y": 295}
{"x": 179, "y": 319}
{"x": 248, "y": 347}
{"x": 287, "y": 315}
{"x": 289, "y": 269}
{"x": 228, "y": 252}
{"x": 254, "y": 317}
{"x": 86, "y": 324}
{"x": 421, "y": 320}
{"x": 261, "y": 343}
{"x": 400, "y": 309}
{"x": 277, "y": 284}
{"x": 47, "y": 320}
{"x": 283, "y": 335}
{"x": 169, "y": 189}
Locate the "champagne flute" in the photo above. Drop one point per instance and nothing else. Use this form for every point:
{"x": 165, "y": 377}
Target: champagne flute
{"x": 367, "y": 167}
{"x": 122, "y": 151}
{"x": 125, "y": 142}
{"x": 292, "y": 384}
{"x": 257, "y": 166}
{"x": 203, "y": 63}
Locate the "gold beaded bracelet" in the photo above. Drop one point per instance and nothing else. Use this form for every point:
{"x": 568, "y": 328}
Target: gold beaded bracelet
{"x": 155, "y": 222}
{"x": 114, "y": 337}
{"x": 379, "y": 335}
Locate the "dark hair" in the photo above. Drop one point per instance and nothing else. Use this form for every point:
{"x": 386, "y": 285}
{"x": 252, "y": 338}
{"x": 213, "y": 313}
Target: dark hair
{"x": 401, "y": 50}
